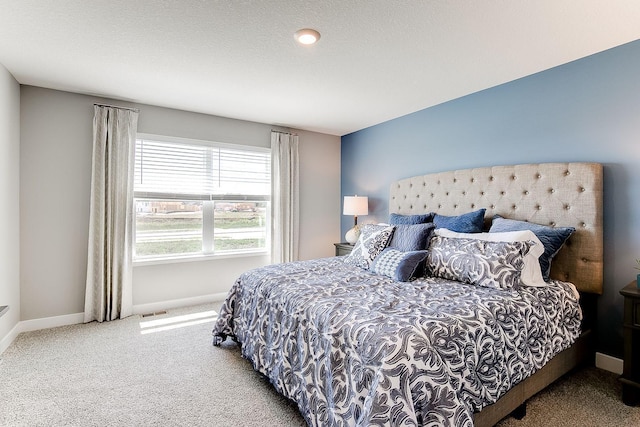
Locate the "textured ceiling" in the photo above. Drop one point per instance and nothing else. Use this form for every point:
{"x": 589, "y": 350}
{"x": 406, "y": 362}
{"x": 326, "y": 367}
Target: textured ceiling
{"x": 376, "y": 59}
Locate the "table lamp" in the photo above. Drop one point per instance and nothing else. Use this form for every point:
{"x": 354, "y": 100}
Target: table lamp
{"x": 354, "y": 205}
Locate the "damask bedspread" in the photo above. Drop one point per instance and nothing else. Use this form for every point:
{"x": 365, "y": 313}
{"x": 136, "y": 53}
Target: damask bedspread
{"x": 352, "y": 348}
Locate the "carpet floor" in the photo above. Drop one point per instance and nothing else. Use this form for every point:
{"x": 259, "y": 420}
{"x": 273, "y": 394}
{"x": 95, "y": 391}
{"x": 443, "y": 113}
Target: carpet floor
{"x": 163, "y": 370}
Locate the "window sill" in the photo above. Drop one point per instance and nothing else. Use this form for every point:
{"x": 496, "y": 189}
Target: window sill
{"x": 197, "y": 258}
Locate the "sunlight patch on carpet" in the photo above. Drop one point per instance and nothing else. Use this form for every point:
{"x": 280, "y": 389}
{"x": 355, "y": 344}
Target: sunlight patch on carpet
{"x": 182, "y": 321}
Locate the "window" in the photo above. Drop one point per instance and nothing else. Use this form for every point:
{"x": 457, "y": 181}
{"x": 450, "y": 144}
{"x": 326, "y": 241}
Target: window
{"x": 200, "y": 198}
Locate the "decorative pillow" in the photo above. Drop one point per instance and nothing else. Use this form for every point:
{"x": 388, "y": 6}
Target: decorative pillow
{"x": 471, "y": 222}
{"x": 373, "y": 239}
{"x": 495, "y": 265}
{"x": 397, "y": 219}
{"x": 531, "y": 273}
{"x": 400, "y": 266}
{"x": 411, "y": 237}
{"x": 552, "y": 238}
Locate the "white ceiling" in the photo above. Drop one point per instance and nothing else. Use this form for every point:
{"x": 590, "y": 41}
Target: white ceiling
{"x": 376, "y": 59}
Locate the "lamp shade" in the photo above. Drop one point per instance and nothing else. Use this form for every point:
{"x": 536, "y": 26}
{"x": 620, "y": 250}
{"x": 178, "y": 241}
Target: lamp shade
{"x": 355, "y": 205}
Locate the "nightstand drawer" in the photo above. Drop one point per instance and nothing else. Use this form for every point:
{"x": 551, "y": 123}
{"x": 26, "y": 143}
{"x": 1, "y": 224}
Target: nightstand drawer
{"x": 631, "y": 295}
{"x": 343, "y": 248}
{"x": 635, "y": 310}
{"x": 631, "y": 331}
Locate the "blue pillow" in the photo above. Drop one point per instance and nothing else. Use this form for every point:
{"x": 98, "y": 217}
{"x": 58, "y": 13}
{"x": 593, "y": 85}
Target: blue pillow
{"x": 552, "y": 238}
{"x": 400, "y": 266}
{"x": 396, "y": 219}
{"x": 411, "y": 237}
{"x": 471, "y": 222}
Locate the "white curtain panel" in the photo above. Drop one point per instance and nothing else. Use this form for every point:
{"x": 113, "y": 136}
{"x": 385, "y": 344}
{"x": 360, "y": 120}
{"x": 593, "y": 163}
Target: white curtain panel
{"x": 285, "y": 201}
{"x": 109, "y": 269}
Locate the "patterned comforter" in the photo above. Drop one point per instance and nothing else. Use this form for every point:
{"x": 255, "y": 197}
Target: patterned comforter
{"x": 356, "y": 349}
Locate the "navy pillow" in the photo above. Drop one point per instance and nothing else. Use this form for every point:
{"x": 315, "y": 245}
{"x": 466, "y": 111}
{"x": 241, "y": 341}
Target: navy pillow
{"x": 552, "y": 238}
{"x": 396, "y": 219}
{"x": 411, "y": 237}
{"x": 471, "y": 222}
{"x": 400, "y": 266}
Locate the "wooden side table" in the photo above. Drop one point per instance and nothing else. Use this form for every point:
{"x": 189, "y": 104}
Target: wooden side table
{"x": 631, "y": 373}
{"x": 343, "y": 248}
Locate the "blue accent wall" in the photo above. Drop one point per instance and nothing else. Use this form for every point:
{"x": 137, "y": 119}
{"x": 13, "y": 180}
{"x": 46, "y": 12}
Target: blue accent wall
{"x": 587, "y": 110}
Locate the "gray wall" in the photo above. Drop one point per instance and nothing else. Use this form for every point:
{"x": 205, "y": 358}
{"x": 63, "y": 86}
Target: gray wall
{"x": 587, "y": 110}
{"x": 9, "y": 202}
{"x": 55, "y": 160}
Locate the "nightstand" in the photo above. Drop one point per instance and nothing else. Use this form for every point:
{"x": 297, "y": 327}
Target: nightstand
{"x": 631, "y": 374}
{"x": 343, "y": 248}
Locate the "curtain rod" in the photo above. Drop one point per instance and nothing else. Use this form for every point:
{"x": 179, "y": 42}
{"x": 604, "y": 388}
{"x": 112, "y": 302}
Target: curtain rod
{"x": 116, "y": 106}
{"x": 286, "y": 133}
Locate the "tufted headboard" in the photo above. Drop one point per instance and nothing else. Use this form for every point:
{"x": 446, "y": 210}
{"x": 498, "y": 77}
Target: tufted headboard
{"x": 554, "y": 194}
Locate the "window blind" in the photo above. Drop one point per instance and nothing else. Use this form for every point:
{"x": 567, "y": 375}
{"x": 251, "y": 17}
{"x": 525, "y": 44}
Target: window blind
{"x": 171, "y": 170}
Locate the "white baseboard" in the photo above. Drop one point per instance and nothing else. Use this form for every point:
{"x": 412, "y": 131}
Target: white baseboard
{"x": 37, "y": 324}
{"x": 176, "y": 303}
{"x": 8, "y": 339}
{"x": 72, "y": 319}
{"x": 609, "y": 363}
{"x": 50, "y": 322}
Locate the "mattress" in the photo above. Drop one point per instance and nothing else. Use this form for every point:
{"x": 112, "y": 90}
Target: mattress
{"x": 353, "y": 348}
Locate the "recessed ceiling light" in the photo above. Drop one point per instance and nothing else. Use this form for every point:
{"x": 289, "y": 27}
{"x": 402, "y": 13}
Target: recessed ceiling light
{"x": 306, "y": 36}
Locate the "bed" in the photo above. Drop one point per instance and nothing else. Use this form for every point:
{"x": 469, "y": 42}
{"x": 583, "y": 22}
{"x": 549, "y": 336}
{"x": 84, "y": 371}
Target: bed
{"x": 357, "y": 346}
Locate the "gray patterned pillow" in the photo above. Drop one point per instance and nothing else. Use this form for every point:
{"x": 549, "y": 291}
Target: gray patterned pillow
{"x": 490, "y": 264}
{"x": 373, "y": 239}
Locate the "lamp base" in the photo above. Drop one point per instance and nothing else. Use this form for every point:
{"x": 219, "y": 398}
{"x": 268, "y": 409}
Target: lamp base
{"x": 352, "y": 235}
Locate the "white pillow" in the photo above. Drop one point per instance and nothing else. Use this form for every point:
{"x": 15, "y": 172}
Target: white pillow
{"x": 531, "y": 273}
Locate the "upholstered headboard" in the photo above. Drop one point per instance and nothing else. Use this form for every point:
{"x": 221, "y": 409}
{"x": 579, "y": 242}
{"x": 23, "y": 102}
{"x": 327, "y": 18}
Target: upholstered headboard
{"x": 554, "y": 194}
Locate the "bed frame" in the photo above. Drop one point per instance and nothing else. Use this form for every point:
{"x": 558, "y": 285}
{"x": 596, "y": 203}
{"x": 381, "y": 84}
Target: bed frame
{"x": 554, "y": 194}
